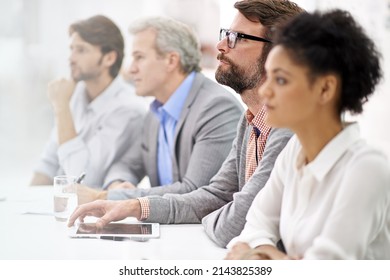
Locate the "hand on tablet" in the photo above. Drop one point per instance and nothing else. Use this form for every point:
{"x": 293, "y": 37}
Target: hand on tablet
{"x": 107, "y": 210}
{"x": 117, "y": 231}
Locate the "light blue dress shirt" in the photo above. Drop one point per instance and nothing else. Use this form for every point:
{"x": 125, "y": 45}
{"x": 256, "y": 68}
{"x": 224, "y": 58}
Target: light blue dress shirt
{"x": 168, "y": 114}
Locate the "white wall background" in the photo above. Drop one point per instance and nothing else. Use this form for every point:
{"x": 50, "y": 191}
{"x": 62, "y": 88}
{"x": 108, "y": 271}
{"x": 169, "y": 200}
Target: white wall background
{"x": 34, "y": 50}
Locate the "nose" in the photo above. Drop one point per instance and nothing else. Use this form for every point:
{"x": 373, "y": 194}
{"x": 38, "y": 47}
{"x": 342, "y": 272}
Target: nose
{"x": 222, "y": 46}
{"x": 71, "y": 57}
{"x": 265, "y": 91}
{"x": 132, "y": 68}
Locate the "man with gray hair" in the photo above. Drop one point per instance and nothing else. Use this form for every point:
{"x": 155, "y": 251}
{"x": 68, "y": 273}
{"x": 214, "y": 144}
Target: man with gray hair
{"x": 223, "y": 203}
{"x": 192, "y": 122}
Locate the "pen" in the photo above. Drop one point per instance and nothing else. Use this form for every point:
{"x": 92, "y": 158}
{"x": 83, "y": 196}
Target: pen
{"x": 80, "y": 178}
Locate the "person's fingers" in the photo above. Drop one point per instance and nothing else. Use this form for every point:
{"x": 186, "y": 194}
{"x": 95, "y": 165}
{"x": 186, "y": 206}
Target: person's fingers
{"x": 102, "y": 222}
{"x": 85, "y": 194}
{"x": 253, "y": 255}
{"x": 81, "y": 218}
{"x": 240, "y": 250}
{"x": 114, "y": 211}
{"x": 73, "y": 218}
{"x": 82, "y": 210}
{"x": 229, "y": 256}
{"x": 233, "y": 256}
{"x": 241, "y": 245}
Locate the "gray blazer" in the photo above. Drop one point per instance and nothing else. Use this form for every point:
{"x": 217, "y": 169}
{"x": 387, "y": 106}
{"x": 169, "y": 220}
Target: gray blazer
{"x": 203, "y": 139}
{"x": 223, "y": 203}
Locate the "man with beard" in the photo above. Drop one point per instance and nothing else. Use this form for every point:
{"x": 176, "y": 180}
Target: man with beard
{"x": 191, "y": 124}
{"x": 222, "y": 205}
{"x": 97, "y": 116}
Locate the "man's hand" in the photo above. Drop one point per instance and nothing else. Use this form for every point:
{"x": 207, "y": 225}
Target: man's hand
{"x": 60, "y": 93}
{"x": 107, "y": 210}
{"x": 40, "y": 179}
{"x": 86, "y": 194}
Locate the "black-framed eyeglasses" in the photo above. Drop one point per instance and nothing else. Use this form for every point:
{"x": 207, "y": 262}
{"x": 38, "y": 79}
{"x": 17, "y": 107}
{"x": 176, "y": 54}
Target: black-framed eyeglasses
{"x": 232, "y": 37}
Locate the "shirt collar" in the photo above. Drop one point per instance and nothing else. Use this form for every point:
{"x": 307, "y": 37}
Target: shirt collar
{"x": 331, "y": 153}
{"x": 100, "y": 102}
{"x": 258, "y": 120}
{"x": 175, "y": 103}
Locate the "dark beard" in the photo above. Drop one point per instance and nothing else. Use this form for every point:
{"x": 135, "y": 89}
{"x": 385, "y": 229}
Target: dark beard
{"x": 237, "y": 78}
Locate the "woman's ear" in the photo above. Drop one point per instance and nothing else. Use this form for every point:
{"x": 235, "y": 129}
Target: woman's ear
{"x": 329, "y": 87}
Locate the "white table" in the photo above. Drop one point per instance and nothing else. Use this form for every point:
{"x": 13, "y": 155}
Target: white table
{"x": 40, "y": 236}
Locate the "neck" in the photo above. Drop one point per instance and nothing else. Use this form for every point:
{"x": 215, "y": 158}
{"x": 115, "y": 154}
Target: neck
{"x": 170, "y": 86}
{"x": 252, "y": 100}
{"x": 314, "y": 136}
{"x": 97, "y": 86}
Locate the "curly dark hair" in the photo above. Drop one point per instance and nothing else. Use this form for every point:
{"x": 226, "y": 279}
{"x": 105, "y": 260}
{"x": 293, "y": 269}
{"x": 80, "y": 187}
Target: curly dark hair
{"x": 332, "y": 42}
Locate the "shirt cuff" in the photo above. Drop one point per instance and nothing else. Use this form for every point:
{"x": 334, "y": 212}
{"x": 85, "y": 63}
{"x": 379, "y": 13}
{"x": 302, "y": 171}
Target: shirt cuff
{"x": 106, "y": 185}
{"x": 145, "y": 208}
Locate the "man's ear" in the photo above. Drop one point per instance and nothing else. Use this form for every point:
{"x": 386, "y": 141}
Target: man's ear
{"x": 109, "y": 59}
{"x": 173, "y": 61}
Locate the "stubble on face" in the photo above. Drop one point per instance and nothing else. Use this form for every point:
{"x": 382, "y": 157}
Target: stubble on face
{"x": 90, "y": 74}
{"x": 236, "y": 77}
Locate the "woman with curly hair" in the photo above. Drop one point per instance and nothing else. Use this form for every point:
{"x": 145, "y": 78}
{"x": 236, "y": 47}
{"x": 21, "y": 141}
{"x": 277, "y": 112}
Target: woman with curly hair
{"x": 328, "y": 196}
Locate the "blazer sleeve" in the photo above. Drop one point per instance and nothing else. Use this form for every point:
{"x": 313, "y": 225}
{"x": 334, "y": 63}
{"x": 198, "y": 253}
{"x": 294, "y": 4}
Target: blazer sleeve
{"x": 228, "y": 221}
{"x": 192, "y": 207}
{"x": 212, "y": 138}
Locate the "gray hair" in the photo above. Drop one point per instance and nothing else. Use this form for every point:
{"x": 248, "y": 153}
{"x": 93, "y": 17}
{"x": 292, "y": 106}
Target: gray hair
{"x": 173, "y": 36}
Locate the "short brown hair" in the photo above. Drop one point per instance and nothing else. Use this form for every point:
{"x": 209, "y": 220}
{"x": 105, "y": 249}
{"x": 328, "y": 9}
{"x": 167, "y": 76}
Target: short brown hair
{"x": 270, "y": 13}
{"x": 101, "y": 31}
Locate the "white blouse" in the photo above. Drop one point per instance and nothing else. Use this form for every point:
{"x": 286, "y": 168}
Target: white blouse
{"x": 335, "y": 207}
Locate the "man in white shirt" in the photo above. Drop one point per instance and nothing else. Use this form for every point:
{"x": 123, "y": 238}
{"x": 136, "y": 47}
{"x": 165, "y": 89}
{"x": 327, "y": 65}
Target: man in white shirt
{"x": 97, "y": 116}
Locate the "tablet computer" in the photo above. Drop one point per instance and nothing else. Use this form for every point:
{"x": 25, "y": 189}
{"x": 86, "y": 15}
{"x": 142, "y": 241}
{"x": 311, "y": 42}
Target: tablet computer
{"x": 116, "y": 231}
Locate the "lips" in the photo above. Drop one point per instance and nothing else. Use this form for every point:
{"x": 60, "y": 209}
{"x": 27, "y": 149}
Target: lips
{"x": 73, "y": 68}
{"x": 136, "y": 82}
{"x": 224, "y": 62}
{"x": 222, "y": 59}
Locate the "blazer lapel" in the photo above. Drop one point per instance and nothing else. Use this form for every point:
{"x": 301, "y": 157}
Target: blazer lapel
{"x": 152, "y": 155}
{"x": 194, "y": 91}
{"x": 198, "y": 81}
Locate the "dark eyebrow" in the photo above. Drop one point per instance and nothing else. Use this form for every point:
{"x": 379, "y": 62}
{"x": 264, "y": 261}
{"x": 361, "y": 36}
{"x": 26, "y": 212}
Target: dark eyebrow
{"x": 276, "y": 70}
